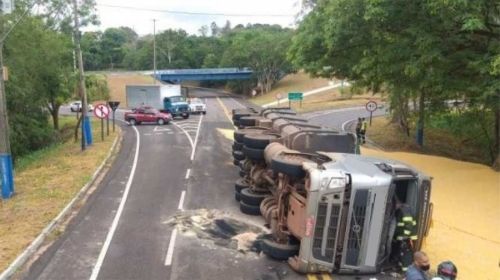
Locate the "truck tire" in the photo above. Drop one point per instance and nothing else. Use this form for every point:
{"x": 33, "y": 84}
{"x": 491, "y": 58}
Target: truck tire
{"x": 160, "y": 121}
{"x": 260, "y": 141}
{"x": 238, "y": 134}
{"x": 132, "y": 121}
{"x": 255, "y": 154}
{"x": 238, "y": 155}
{"x": 290, "y": 165}
{"x": 240, "y": 185}
{"x": 236, "y": 162}
{"x": 237, "y": 196}
{"x": 185, "y": 116}
{"x": 252, "y": 198}
{"x": 249, "y": 209}
{"x": 237, "y": 146}
{"x": 279, "y": 251}
{"x": 247, "y": 121}
{"x": 242, "y": 172}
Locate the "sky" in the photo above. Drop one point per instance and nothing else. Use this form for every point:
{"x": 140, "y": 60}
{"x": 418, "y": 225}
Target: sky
{"x": 140, "y": 14}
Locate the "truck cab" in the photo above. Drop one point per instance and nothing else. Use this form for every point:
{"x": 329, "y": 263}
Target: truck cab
{"x": 176, "y": 106}
{"x": 343, "y": 212}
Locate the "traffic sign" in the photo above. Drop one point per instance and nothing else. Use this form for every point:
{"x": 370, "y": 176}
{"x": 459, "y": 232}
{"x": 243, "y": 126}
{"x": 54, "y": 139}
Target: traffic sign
{"x": 371, "y": 106}
{"x": 295, "y": 96}
{"x": 101, "y": 111}
{"x": 114, "y": 105}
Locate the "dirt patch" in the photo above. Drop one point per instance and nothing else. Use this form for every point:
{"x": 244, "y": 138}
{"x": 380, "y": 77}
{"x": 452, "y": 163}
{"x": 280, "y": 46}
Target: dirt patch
{"x": 466, "y": 199}
{"x": 219, "y": 229}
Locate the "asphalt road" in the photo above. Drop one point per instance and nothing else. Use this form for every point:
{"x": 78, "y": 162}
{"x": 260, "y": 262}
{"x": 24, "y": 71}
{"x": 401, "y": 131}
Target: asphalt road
{"x": 181, "y": 173}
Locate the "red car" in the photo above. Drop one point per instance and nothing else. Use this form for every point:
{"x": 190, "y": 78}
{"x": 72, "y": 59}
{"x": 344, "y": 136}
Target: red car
{"x": 147, "y": 115}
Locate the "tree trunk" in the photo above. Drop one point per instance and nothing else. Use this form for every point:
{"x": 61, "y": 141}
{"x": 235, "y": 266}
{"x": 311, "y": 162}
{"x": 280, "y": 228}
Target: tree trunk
{"x": 77, "y": 128}
{"x": 55, "y": 118}
{"x": 421, "y": 119}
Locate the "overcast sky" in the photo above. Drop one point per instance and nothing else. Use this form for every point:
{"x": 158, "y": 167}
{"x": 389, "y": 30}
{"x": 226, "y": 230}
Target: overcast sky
{"x": 142, "y": 20}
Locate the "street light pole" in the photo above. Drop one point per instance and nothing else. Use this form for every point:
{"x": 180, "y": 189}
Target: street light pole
{"x": 154, "y": 51}
{"x": 6, "y": 179}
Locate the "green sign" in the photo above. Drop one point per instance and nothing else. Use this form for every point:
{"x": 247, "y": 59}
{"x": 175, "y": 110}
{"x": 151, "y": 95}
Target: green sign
{"x": 295, "y": 96}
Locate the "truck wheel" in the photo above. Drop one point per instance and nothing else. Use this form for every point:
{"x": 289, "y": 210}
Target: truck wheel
{"x": 252, "y": 198}
{"x": 255, "y": 154}
{"x": 237, "y": 196}
{"x": 132, "y": 122}
{"x": 260, "y": 141}
{"x": 240, "y": 185}
{"x": 161, "y": 121}
{"x": 247, "y": 121}
{"x": 237, "y": 146}
{"x": 185, "y": 117}
{"x": 236, "y": 162}
{"x": 249, "y": 209}
{"x": 238, "y": 135}
{"x": 290, "y": 165}
{"x": 242, "y": 173}
{"x": 279, "y": 251}
{"x": 204, "y": 112}
{"x": 238, "y": 155}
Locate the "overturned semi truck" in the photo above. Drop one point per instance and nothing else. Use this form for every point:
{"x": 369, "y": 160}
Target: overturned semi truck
{"x": 328, "y": 209}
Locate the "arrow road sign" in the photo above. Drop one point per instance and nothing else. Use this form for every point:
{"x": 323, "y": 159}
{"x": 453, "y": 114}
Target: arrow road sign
{"x": 101, "y": 111}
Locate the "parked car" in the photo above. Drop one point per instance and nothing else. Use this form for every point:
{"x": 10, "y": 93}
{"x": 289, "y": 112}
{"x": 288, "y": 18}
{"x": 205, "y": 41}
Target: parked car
{"x": 77, "y": 106}
{"x": 147, "y": 115}
{"x": 197, "y": 106}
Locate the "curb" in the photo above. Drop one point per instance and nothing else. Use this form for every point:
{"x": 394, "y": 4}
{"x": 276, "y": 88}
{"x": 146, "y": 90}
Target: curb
{"x": 39, "y": 240}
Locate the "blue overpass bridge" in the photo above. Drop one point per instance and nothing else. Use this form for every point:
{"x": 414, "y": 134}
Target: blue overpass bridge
{"x": 208, "y": 74}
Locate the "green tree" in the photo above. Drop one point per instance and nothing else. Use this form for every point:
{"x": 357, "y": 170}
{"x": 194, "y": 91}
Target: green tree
{"x": 420, "y": 52}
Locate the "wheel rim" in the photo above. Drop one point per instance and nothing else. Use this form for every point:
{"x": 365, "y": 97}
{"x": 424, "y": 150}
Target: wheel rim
{"x": 132, "y": 122}
{"x": 161, "y": 121}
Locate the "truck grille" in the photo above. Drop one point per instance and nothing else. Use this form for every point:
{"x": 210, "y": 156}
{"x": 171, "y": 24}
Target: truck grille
{"x": 331, "y": 223}
{"x": 356, "y": 227}
{"x": 199, "y": 108}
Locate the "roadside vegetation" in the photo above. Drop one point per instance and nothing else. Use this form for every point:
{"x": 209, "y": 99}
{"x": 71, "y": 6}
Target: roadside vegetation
{"x": 46, "y": 180}
{"x": 438, "y": 62}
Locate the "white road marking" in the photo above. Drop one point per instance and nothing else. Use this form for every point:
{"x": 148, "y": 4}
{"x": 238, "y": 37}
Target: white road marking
{"x": 170, "y": 250}
{"x": 147, "y": 134}
{"x": 346, "y": 122}
{"x": 181, "y": 201}
{"x": 159, "y": 129}
{"x": 188, "y": 172}
{"x": 187, "y": 135}
{"x": 111, "y": 232}
{"x": 159, "y": 133}
{"x": 196, "y": 138}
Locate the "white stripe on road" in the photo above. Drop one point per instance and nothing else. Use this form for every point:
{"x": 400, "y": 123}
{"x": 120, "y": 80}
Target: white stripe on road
{"x": 171, "y": 245}
{"x": 187, "y": 173}
{"x": 196, "y": 138}
{"x": 111, "y": 232}
{"x": 181, "y": 201}
{"x": 345, "y": 123}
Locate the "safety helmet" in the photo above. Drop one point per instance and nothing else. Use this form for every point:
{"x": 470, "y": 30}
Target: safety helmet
{"x": 447, "y": 270}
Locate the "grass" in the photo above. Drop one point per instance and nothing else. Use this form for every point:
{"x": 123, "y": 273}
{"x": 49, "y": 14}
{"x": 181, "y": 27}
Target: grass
{"x": 292, "y": 82}
{"x": 436, "y": 142}
{"x": 118, "y": 81}
{"x": 45, "y": 181}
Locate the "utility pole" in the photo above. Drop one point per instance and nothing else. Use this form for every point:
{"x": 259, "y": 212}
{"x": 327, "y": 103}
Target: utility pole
{"x": 154, "y": 51}
{"x": 6, "y": 174}
{"x": 81, "y": 77}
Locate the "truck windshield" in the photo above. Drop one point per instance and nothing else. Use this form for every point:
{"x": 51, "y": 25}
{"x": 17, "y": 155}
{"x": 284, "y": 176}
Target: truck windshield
{"x": 175, "y": 99}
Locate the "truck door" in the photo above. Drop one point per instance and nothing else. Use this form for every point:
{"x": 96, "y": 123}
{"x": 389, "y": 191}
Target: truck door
{"x": 424, "y": 210}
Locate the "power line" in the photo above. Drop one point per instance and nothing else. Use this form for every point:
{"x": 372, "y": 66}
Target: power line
{"x": 194, "y": 13}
